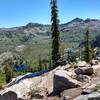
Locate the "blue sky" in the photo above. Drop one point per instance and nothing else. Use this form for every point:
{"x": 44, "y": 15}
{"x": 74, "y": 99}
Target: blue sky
{"x": 20, "y": 12}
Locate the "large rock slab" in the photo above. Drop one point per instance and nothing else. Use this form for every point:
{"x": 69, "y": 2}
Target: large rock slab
{"x": 19, "y": 78}
{"x": 21, "y": 89}
{"x": 84, "y": 70}
{"x": 92, "y": 96}
{"x": 8, "y": 96}
{"x": 25, "y": 86}
{"x": 63, "y": 81}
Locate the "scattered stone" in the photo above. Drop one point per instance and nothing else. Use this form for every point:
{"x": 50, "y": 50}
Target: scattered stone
{"x": 92, "y": 96}
{"x": 37, "y": 92}
{"x": 66, "y": 67}
{"x": 66, "y": 98}
{"x": 70, "y": 93}
{"x": 83, "y": 78}
{"x": 81, "y": 97}
{"x": 89, "y": 89}
{"x": 84, "y": 70}
{"x": 96, "y": 69}
{"x": 94, "y": 62}
{"x": 63, "y": 81}
{"x": 81, "y": 64}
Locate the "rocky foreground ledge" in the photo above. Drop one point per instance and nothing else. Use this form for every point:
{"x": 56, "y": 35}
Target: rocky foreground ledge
{"x": 79, "y": 81}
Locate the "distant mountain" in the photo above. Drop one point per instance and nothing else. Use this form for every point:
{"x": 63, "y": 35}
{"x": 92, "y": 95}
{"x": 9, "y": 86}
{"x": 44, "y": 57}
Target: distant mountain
{"x": 74, "y": 30}
{"x": 71, "y": 32}
{"x": 25, "y": 33}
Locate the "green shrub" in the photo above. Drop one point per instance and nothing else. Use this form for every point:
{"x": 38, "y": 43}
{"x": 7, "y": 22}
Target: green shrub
{"x": 8, "y": 73}
{"x": 2, "y": 79}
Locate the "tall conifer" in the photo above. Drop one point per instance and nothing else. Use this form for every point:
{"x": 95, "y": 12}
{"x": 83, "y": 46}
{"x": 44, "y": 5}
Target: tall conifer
{"x": 55, "y": 34}
{"x": 88, "y": 47}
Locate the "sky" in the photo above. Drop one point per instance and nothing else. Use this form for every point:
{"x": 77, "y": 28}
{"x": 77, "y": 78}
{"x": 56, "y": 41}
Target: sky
{"x": 20, "y": 12}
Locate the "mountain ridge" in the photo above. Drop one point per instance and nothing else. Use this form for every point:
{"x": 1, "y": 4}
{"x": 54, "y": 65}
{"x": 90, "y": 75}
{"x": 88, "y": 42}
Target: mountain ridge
{"x": 36, "y": 23}
{"x": 71, "y": 32}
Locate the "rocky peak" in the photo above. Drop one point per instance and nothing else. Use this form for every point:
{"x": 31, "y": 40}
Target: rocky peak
{"x": 31, "y": 25}
{"x": 77, "y": 20}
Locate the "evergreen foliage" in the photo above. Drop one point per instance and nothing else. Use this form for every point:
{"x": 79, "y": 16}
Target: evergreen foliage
{"x": 8, "y": 72}
{"x": 88, "y": 53}
{"x": 55, "y": 34}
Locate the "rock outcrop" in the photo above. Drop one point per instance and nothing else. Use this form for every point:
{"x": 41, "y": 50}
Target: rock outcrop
{"x": 25, "y": 87}
{"x": 60, "y": 81}
{"x": 39, "y": 87}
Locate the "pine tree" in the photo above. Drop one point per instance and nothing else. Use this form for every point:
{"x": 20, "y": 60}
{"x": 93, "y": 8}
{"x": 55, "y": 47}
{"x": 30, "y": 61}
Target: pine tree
{"x": 88, "y": 47}
{"x": 8, "y": 72}
{"x": 55, "y": 34}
